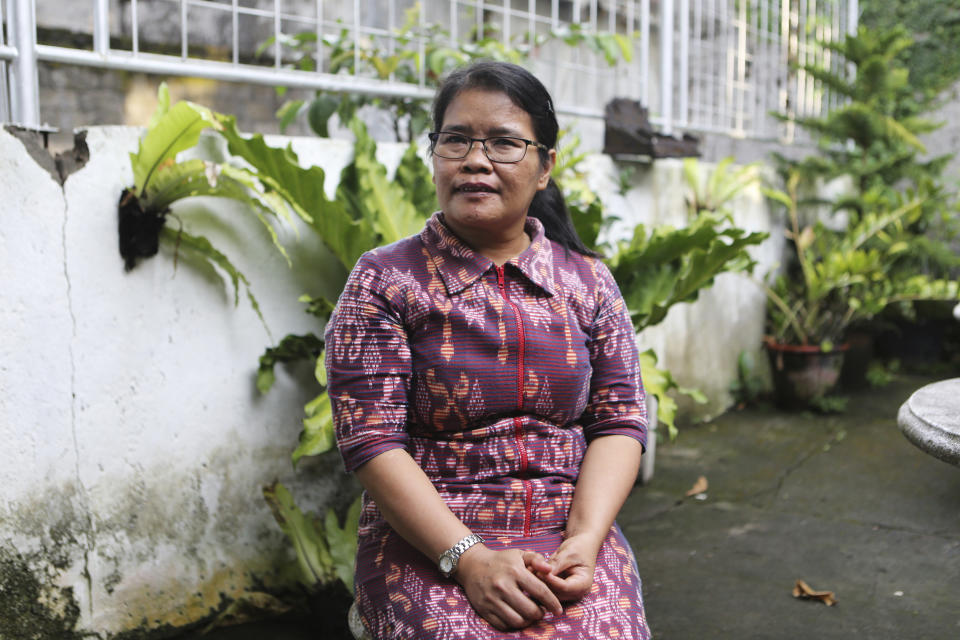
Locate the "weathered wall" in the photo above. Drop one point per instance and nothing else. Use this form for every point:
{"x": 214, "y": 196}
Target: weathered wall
{"x": 700, "y": 342}
{"x": 134, "y": 442}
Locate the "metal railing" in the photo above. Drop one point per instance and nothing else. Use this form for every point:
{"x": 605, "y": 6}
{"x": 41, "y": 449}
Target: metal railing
{"x": 699, "y": 65}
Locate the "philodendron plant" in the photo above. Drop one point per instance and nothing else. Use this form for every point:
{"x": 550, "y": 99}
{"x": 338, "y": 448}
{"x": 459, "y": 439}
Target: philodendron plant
{"x": 843, "y": 276}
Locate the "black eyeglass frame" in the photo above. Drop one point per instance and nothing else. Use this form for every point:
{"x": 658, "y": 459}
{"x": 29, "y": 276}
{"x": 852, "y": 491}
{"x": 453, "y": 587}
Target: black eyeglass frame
{"x": 433, "y": 135}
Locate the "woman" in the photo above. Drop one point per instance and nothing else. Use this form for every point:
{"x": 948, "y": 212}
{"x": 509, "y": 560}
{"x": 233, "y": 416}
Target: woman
{"x": 486, "y": 392}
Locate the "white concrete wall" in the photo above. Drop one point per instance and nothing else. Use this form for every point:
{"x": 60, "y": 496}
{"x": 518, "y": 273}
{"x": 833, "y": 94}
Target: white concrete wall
{"x": 699, "y": 343}
{"x": 134, "y": 444}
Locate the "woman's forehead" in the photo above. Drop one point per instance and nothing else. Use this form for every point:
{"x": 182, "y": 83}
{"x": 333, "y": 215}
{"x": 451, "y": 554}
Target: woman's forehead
{"x": 491, "y": 111}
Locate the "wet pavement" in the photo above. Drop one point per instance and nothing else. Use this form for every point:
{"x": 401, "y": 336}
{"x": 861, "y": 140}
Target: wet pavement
{"x": 843, "y": 502}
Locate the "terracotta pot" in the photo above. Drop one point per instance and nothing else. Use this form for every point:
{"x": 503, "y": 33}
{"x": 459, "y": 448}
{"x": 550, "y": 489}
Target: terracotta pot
{"x": 802, "y": 373}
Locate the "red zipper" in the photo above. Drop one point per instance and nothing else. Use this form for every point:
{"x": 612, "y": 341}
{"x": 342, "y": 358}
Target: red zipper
{"x": 517, "y": 422}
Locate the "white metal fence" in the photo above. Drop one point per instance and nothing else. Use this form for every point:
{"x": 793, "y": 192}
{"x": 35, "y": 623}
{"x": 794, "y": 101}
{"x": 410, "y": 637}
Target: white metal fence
{"x": 700, "y": 65}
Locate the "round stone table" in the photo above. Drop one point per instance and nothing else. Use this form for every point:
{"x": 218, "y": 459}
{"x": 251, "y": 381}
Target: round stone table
{"x": 930, "y": 419}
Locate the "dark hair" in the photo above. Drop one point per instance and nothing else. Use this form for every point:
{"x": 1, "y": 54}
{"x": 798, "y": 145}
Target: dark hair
{"x": 528, "y": 93}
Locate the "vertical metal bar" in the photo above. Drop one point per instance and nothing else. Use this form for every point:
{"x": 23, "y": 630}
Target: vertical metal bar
{"x": 101, "y": 26}
{"x": 277, "y": 32}
{"x": 683, "y": 111}
{"x": 666, "y": 65}
{"x": 612, "y": 28}
{"x": 628, "y": 30}
{"x": 554, "y": 26}
{"x": 595, "y": 61}
{"x": 807, "y": 56}
{"x": 835, "y": 34}
{"x": 645, "y": 51}
{"x": 729, "y": 115}
{"x": 135, "y": 26}
{"x": 454, "y": 22}
{"x": 760, "y": 74}
{"x": 710, "y": 62}
{"x": 853, "y": 16}
{"x": 480, "y": 20}
{"x": 21, "y": 26}
{"x": 813, "y": 49}
{"x": 783, "y": 102}
{"x": 318, "y": 15}
{"x": 391, "y": 21}
{"x": 532, "y": 24}
{"x": 853, "y": 22}
{"x": 696, "y": 46}
{"x": 422, "y": 50}
{"x": 4, "y": 95}
{"x": 235, "y": 37}
{"x": 506, "y": 23}
{"x": 184, "y": 48}
{"x": 741, "y": 81}
{"x": 356, "y": 38}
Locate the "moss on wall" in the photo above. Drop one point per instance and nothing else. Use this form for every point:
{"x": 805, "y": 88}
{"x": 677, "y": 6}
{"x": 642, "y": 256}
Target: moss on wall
{"x": 27, "y": 610}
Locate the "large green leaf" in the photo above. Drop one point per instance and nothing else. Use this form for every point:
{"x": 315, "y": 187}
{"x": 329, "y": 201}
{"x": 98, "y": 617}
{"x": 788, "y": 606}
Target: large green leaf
{"x": 291, "y": 349}
{"x": 342, "y": 542}
{"x": 279, "y": 170}
{"x": 317, "y": 435}
{"x": 202, "y": 247}
{"x": 313, "y": 554}
{"x": 659, "y": 382}
{"x": 672, "y": 265}
{"x": 196, "y": 177}
{"x": 414, "y": 178}
{"x": 370, "y": 196}
{"x": 176, "y": 130}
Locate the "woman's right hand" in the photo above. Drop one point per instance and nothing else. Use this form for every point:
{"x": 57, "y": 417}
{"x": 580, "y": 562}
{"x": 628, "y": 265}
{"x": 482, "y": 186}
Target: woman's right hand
{"x": 503, "y": 587}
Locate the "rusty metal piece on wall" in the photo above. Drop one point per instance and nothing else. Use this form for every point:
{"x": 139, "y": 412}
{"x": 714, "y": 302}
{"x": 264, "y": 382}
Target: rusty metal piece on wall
{"x": 628, "y": 132}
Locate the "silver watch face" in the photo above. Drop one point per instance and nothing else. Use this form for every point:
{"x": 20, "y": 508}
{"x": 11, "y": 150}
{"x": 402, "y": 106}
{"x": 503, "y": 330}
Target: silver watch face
{"x": 446, "y": 564}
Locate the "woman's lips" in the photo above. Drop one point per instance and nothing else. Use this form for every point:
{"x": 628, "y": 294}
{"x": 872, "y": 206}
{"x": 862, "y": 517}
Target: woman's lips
{"x": 472, "y": 188}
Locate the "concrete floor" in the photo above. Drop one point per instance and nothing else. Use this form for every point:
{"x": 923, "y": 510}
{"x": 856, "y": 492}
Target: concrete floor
{"x": 843, "y": 502}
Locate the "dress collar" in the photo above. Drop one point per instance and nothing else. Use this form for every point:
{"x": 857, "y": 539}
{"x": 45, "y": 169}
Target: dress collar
{"x": 460, "y": 266}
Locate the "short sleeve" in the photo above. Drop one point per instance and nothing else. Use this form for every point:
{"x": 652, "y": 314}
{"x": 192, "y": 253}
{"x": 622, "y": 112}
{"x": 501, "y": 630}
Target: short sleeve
{"x": 368, "y": 366}
{"x": 617, "y": 402}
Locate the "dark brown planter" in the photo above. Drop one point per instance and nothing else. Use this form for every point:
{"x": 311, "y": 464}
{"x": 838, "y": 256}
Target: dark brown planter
{"x": 803, "y": 373}
{"x": 856, "y": 362}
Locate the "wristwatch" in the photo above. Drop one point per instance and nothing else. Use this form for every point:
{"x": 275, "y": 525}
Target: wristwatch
{"x": 449, "y": 558}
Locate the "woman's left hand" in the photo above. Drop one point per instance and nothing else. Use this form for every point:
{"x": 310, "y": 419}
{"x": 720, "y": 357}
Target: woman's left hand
{"x": 572, "y": 567}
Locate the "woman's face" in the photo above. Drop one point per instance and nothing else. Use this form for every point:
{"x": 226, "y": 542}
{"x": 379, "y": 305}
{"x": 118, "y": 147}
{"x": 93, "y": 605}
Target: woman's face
{"x": 483, "y": 200}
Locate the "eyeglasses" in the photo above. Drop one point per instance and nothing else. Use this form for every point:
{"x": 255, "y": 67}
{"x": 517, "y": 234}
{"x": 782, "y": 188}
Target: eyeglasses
{"x": 504, "y": 149}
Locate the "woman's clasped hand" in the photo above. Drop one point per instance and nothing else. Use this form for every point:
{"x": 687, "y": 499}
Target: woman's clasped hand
{"x": 509, "y": 588}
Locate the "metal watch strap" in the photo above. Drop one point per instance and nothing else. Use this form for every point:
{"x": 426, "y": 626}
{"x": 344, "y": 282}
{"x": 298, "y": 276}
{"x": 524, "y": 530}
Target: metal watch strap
{"x": 452, "y": 555}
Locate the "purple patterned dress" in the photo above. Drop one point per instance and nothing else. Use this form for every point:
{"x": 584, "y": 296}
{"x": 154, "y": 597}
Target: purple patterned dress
{"x": 494, "y": 379}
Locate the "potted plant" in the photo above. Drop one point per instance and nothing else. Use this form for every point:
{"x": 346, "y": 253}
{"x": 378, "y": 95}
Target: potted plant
{"x": 872, "y": 140}
{"x": 836, "y": 279}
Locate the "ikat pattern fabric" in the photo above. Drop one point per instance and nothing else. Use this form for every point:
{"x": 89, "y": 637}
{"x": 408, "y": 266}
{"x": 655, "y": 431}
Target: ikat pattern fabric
{"x": 494, "y": 379}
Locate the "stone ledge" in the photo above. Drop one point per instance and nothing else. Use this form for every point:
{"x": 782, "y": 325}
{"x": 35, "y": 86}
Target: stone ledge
{"x": 930, "y": 419}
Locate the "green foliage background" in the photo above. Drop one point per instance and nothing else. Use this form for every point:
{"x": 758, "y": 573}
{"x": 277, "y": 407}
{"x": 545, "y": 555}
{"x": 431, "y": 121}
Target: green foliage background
{"x": 932, "y": 59}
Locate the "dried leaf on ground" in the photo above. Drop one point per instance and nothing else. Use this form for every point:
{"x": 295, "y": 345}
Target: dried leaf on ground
{"x": 700, "y": 486}
{"x": 802, "y": 590}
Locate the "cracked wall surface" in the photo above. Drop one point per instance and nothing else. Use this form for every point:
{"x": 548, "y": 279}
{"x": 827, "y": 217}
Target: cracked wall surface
{"x": 134, "y": 442}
